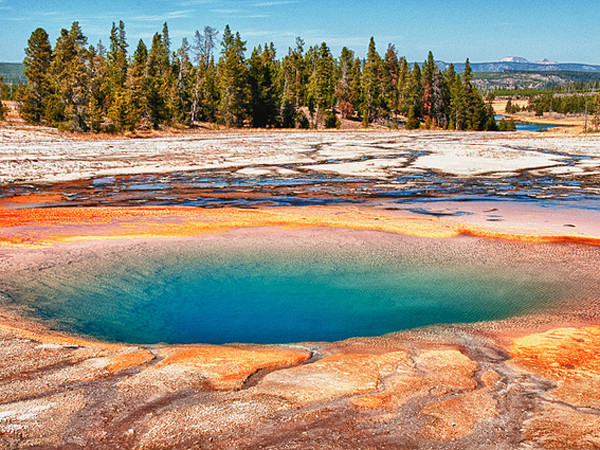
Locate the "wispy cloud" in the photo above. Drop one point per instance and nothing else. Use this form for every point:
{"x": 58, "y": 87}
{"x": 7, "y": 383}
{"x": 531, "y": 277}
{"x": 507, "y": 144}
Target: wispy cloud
{"x": 268, "y": 4}
{"x": 238, "y": 13}
{"x": 227, "y": 11}
{"x": 182, "y": 14}
{"x": 198, "y": 2}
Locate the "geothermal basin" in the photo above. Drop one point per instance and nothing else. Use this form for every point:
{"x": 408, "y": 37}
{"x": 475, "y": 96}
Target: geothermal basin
{"x": 290, "y": 286}
{"x": 387, "y": 290}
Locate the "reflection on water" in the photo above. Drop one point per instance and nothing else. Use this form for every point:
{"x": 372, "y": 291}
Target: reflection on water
{"x": 527, "y": 126}
{"x": 217, "y": 189}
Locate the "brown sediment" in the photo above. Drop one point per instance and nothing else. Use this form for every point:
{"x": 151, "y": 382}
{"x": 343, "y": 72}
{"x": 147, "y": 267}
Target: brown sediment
{"x": 225, "y": 367}
{"x": 44, "y": 226}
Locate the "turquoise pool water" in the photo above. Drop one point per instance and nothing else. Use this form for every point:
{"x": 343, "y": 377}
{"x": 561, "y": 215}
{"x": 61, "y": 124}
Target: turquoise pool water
{"x": 226, "y": 293}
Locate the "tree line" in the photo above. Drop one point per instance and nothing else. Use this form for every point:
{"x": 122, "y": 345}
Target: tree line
{"x": 79, "y": 87}
{"x": 564, "y": 103}
{"x": 2, "y": 95}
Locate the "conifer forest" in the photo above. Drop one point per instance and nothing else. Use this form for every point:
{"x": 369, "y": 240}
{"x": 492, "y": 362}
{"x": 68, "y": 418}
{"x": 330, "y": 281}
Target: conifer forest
{"x": 215, "y": 79}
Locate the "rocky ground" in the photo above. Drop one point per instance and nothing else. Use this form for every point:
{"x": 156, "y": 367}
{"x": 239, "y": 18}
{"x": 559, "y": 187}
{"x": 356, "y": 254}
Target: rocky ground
{"x": 47, "y": 156}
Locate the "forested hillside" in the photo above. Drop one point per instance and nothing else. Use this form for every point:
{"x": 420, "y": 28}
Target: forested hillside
{"x": 80, "y": 87}
{"x": 12, "y": 73}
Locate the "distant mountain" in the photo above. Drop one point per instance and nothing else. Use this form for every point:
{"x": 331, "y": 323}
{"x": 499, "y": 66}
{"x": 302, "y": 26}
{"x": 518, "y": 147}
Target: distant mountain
{"x": 12, "y": 73}
{"x": 546, "y": 61}
{"x": 521, "y": 64}
{"x": 515, "y": 59}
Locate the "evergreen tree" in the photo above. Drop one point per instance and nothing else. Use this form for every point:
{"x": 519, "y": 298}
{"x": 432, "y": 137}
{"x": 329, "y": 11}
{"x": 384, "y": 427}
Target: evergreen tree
{"x": 412, "y": 122}
{"x": 166, "y": 41}
{"x": 477, "y": 113}
{"x": 68, "y": 103}
{"x": 468, "y": 74}
{"x": 97, "y": 70}
{"x": 438, "y": 109}
{"x": 233, "y": 78}
{"x": 210, "y": 93}
{"x": 185, "y": 80}
{"x": 343, "y": 90}
{"x": 356, "y": 84}
{"x": 2, "y": 107}
{"x": 389, "y": 86}
{"x": 122, "y": 112}
{"x": 428, "y": 72}
{"x": 403, "y": 86}
{"x": 136, "y": 83}
{"x": 415, "y": 92}
{"x": 205, "y": 95}
{"x": 262, "y": 75}
{"x": 371, "y": 84}
{"x": 37, "y": 63}
{"x": 321, "y": 83}
{"x": 155, "y": 90}
{"x": 117, "y": 56}
{"x": 295, "y": 77}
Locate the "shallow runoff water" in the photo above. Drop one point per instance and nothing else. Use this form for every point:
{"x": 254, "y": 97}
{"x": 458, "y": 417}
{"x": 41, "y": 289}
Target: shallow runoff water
{"x": 288, "y": 287}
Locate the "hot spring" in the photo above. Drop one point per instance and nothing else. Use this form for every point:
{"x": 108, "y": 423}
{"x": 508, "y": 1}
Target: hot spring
{"x": 285, "y": 286}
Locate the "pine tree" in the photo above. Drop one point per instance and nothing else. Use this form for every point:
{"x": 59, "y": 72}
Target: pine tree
{"x": 204, "y": 89}
{"x": 154, "y": 90}
{"x": 342, "y": 91}
{"x": 119, "y": 108}
{"x": 321, "y": 84}
{"x": 37, "y": 63}
{"x": 389, "y": 87}
{"x": 2, "y": 107}
{"x": 356, "y": 84}
{"x": 98, "y": 86}
{"x": 371, "y": 84}
{"x": 122, "y": 113}
{"x": 136, "y": 83}
{"x": 415, "y": 92}
{"x": 233, "y": 76}
{"x": 185, "y": 79}
{"x": 477, "y": 115}
{"x": 68, "y": 103}
{"x": 262, "y": 75}
{"x": 403, "y": 86}
{"x": 412, "y": 122}
{"x": 428, "y": 73}
{"x": 468, "y": 74}
{"x": 438, "y": 100}
{"x": 117, "y": 56}
{"x": 294, "y": 74}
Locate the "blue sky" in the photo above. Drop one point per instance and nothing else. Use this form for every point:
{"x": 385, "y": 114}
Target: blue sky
{"x": 453, "y": 29}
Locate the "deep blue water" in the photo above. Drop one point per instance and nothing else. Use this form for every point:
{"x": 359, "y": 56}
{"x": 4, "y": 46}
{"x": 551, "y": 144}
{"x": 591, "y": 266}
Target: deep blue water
{"x": 533, "y": 126}
{"x": 216, "y": 297}
{"x": 520, "y": 126}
